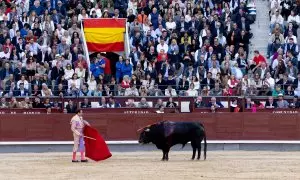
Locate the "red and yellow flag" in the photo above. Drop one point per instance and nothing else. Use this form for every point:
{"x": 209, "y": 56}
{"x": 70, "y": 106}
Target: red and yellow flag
{"x": 105, "y": 35}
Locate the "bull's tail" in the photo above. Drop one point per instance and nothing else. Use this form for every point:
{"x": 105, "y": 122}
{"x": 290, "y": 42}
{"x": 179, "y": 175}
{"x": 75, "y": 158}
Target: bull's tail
{"x": 205, "y": 145}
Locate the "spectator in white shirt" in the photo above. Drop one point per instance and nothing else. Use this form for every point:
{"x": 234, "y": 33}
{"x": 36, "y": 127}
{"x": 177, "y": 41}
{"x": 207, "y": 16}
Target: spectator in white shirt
{"x": 170, "y": 92}
{"x": 162, "y": 46}
{"x": 269, "y": 81}
{"x": 276, "y": 18}
{"x": 192, "y": 91}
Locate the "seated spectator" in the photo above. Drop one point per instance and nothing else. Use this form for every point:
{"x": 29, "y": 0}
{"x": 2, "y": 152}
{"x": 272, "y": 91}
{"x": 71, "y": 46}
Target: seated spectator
{"x": 191, "y": 91}
{"x": 46, "y": 92}
{"x": 227, "y": 91}
{"x": 132, "y": 91}
{"x": 71, "y": 107}
{"x": 37, "y": 103}
{"x": 143, "y": 103}
{"x": 281, "y": 103}
{"x": 251, "y": 91}
{"x": 125, "y": 82}
{"x": 112, "y": 103}
{"x": 130, "y": 103}
{"x": 92, "y": 84}
{"x": 160, "y": 110}
{"x": 289, "y": 91}
{"x": 21, "y": 91}
{"x": 215, "y": 103}
{"x": 258, "y": 105}
{"x": 248, "y": 103}
{"x": 60, "y": 91}
{"x": 85, "y": 91}
{"x": 277, "y": 91}
{"x": 171, "y": 104}
{"x": 47, "y": 103}
{"x": 199, "y": 103}
{"x": 170, "y": 91}
{"x": 73, "y": 90}
{"x": 102, "y": 103}
{"x": 234, "y": 106}
{"x": 265, "y": 91}
{"x": 216, "y": 91}
{"x": 13, "y": 103}
{"x": 295, "y": 103}
{"x": 270, "y": 104}
{"x": 159, "y": 103}
{"x": 85, "y": 103}
{"x": 183, "y": 85}
{"x": 143, "y": 91}
{"x": 3, "y": 103}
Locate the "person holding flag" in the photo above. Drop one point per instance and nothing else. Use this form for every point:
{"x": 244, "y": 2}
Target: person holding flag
{"x": 77, "y": 126}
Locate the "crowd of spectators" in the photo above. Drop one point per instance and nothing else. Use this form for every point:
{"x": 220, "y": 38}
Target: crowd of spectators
{"x": 177, "y": 48}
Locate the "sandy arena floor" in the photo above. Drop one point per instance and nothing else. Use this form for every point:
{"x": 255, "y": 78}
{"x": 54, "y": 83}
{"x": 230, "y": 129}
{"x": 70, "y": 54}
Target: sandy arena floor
{"x": 147, "y": 165}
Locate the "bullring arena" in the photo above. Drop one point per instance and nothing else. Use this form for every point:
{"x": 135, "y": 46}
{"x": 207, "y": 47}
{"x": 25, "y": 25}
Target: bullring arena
{"x": 240, "y": 146}
{"x": 147, "y": 165}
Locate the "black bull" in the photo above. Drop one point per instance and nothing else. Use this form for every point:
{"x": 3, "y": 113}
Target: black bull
{"x": 167, "y": 134}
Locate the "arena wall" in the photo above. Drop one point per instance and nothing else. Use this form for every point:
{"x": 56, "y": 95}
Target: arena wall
{"x": 280, "y": 125}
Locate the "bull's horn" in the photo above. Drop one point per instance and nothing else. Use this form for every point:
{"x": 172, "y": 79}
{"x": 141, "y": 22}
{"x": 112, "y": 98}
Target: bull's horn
{"x": 140, "y": 129}
{"x": 144, "y": 127}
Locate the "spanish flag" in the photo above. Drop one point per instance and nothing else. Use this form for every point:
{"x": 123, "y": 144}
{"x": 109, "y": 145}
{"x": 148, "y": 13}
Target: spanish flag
{"x": 104, "y": 35}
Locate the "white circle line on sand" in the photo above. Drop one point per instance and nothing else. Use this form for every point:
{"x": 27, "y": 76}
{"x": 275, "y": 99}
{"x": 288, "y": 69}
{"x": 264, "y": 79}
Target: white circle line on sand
{"x": 5, "y": 143}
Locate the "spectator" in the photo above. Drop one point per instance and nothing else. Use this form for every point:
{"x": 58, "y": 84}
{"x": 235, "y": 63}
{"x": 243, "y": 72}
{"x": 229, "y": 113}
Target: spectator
{"x": 159, "y": 103}
{"x": 3, "y": 103}
{"x": 160, "y": 110}
{"x": 112, "y": 103}
{"x": 191, "y": 91}
{"x": 143, "y": 103}
{"x": 132, "y": 91}
{"x": 126, "y": 68}
{"x": 234, "y": 106}
{"x": 14, "y": 103}
{"x": 215, "y": 103}
{"x": 130, "y": 103}
{"x": 295, "y": 103}
{"x": 37, "y": 103}
{"x": 270, "y": 103}
{"x": 103, "y": 103}
{"x": 21, "y": 91}
{"x": 170, "y": 92}
{"x": 171, "y": 104}
{"x": 216, "y": 91}
{"x": 85, "y": 103}
{"x": 199, "y": 103}
{"x": 71, "y": 107}
{"x": 248, "y": 103}
{"x": 281, "y": 103}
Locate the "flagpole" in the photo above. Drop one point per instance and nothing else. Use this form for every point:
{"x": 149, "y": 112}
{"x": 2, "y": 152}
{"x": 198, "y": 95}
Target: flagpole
{"x": 85, "y": 49}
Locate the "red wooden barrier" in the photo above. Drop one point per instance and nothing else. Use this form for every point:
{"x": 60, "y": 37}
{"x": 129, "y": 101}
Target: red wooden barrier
{"x": 116, "y": 126}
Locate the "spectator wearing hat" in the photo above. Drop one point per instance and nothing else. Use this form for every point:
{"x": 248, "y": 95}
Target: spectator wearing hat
{"x": 281, "y": 103}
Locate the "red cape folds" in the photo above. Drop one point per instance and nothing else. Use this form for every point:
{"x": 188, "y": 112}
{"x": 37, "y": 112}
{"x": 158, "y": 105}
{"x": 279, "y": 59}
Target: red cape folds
{"x": 96, "y": 150}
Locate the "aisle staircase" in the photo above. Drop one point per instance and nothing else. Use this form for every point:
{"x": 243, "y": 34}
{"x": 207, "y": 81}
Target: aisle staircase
{"x": 260, "y": 29}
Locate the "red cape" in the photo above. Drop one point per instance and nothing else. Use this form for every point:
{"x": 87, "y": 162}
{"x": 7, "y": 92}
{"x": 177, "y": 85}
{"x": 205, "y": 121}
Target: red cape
{"x": 95, "y": 149}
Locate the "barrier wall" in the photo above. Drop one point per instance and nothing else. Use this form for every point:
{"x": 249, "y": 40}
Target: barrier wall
{"x": 219, "y": 126}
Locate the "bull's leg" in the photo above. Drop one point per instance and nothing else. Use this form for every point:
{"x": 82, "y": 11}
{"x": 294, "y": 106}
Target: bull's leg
{"x": 199, "y": 150}
{"x": 164, "y": 154}
{"x": 194, "y": 149}
{"x": 167, "y": 154}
